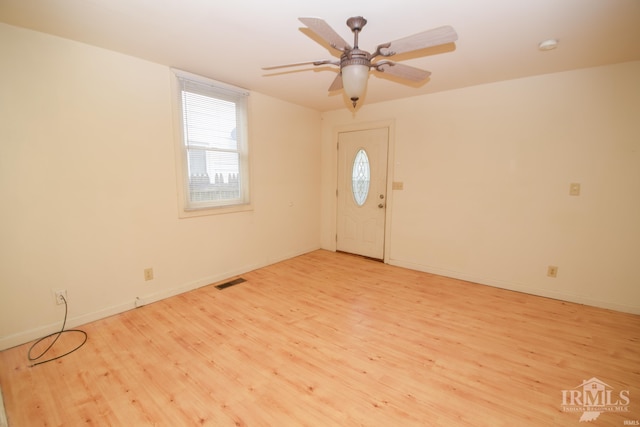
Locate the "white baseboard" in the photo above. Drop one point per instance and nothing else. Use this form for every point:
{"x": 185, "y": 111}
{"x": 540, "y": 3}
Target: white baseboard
{"x": 73, "y": 322}
{"x": 579, "y": 299}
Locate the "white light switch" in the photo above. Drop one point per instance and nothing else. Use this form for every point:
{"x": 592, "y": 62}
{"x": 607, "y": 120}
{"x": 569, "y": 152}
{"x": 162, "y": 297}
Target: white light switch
{"x": 396, "y": 185}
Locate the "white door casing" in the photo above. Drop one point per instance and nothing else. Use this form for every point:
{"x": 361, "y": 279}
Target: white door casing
{"x": 361, "y": 224}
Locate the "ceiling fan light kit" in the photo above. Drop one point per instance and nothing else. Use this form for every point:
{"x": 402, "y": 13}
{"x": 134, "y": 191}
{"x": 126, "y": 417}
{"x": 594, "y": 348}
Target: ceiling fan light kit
{"x": 355, "y": 63}
{"x": 354, "y": 81}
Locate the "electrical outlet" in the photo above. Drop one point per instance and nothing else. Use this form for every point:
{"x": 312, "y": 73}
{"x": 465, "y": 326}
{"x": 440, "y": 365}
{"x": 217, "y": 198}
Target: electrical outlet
{"x": 552, "y": 271}
{"x": 61, "y": 296}
{"x": 148, "y": 274}
{"x": 574, "y": 189}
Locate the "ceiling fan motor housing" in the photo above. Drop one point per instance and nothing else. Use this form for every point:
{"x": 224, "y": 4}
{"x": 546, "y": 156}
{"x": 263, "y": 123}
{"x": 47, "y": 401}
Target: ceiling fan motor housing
{"x": 355, "y": 57}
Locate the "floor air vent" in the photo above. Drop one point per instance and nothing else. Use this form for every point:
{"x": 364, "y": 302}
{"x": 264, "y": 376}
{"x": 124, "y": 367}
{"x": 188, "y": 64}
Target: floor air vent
{"x": 231, "y": 283}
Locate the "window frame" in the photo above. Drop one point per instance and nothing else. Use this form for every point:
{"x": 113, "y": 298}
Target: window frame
{"x": 186, "y": 208}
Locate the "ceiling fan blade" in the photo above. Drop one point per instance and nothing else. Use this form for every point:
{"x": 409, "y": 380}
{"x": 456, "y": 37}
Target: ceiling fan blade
{"x": 403, "y": 71}
{"x": 324, "y": 31}
{"x": 337, "y": 83}
{"x": 297, "y": 64}
{"x": 423, "y": 40}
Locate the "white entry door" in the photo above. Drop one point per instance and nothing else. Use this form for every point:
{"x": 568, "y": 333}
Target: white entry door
{"x": 362, "y": 191}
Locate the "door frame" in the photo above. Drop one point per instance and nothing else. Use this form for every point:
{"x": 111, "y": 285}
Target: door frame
{"x": 390, "y": 125}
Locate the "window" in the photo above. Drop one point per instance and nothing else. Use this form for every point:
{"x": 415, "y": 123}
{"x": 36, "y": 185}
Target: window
{"x": 360, "y": 177}
{"x": 212, "y": 141}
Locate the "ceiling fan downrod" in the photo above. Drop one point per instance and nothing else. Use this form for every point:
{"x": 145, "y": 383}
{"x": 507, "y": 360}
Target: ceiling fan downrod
{"x": 356, "y": 23}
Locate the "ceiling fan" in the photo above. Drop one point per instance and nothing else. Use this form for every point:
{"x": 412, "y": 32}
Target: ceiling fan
{"x": 355, "y": 63}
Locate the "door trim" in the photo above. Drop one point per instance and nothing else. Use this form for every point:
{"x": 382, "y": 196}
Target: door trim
{"x": 390, "y": 125}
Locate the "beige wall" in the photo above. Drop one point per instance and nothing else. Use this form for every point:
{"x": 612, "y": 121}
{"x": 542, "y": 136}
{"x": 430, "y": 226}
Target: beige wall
{"x": 88, "y": 187}
{"x": 486, "y": 173}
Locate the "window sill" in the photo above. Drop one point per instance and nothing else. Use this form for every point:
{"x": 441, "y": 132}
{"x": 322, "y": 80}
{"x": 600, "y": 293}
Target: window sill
{"x": 192, "y": 213}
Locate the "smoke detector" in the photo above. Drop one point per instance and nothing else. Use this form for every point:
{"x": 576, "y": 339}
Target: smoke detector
{"x": 548, "y": 44}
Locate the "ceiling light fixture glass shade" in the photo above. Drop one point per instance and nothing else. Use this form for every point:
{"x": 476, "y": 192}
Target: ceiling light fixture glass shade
{"x": 354, "y": 81}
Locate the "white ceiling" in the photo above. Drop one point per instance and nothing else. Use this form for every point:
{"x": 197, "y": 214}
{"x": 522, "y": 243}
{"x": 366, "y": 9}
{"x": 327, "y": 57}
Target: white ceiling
{"x": 230, "y": 41}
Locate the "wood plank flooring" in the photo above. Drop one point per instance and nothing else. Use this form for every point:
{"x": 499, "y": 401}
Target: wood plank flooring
{"x": 331, "y": 339}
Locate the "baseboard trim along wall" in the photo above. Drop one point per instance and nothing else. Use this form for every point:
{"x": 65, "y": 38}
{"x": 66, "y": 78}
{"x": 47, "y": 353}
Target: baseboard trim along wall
{"x": 579, "y": 299}
{"x": 73, "y": 322}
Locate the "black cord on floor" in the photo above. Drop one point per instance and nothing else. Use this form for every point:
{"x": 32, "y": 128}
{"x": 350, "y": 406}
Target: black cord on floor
{"x": 57, "y": 335}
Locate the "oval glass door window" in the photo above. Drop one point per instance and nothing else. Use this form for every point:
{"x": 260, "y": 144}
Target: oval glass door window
{"x": 360, "y": 177}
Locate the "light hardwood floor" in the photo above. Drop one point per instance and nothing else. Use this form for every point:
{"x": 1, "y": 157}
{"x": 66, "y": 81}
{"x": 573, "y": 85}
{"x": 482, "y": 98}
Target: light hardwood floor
{"x": 330, "y": 339}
